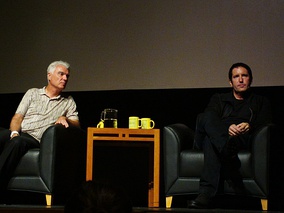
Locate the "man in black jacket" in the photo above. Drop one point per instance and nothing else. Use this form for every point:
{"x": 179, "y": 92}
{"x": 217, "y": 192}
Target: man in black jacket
{"x": 224, "y": 128}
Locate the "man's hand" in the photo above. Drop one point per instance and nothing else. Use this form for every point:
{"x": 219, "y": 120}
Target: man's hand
{"x": 242, "y": 128}
{"x": 63, "y": 121}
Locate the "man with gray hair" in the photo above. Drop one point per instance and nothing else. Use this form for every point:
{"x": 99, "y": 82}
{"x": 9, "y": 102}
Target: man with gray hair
{"x": 39, "y": 109}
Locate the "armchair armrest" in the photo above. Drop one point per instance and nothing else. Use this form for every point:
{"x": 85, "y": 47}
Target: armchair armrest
{"x": 176, "y": 137}
{"x": 62, "y": 157}
{"x": 261, "y": 143}
{"x": 180, "y": 135}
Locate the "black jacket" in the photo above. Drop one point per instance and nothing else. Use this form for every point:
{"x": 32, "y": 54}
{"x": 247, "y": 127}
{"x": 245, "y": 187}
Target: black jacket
{"x": 222, "y": 105}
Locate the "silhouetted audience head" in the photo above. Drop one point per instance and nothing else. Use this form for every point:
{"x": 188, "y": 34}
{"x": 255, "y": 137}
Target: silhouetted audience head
{"x": 99, "y": 197}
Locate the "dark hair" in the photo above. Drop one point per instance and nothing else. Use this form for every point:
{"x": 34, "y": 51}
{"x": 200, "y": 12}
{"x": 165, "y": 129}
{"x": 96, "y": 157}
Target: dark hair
{"x": 98, "y": 197}
{"x": 240, "y": 64}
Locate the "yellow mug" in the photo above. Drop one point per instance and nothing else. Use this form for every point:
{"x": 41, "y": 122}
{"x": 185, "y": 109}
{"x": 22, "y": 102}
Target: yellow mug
{"x": 147, "y": 123}
{"x": 108, "y": 123}
{"x": 134, "y": 122}
{"x": 100, "y": 124}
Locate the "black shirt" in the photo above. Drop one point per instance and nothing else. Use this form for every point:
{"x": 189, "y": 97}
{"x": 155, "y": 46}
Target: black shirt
{"x": 241, "y": 112}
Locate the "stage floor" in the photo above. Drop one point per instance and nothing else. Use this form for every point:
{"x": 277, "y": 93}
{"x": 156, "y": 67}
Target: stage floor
{"x": 30, "y": 203}
{"x": 60, "y": 209}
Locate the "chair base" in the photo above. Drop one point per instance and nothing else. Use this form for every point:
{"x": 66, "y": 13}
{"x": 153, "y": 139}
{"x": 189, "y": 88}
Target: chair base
{"x": 48, "y": 198}
{"x": 264, "y": 204}
{"x": 169, "y": 201}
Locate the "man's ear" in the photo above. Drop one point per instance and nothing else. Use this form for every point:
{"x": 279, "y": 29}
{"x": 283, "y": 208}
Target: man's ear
{"x": 48, "y": 76}
{"x": 230, "y": 82}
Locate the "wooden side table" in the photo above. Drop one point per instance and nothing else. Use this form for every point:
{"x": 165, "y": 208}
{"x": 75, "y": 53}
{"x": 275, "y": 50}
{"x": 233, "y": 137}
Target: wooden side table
{"x": 113, "y": 136}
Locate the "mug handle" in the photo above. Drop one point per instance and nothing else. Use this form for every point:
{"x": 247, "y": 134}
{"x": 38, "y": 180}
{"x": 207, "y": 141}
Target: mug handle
{"x": 153, "y": 124}
{"x": 100, "y": 124}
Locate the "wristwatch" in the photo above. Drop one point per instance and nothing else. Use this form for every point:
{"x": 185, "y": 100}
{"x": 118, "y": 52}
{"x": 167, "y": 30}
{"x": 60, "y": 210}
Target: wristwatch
{"x": 14, "y": 132}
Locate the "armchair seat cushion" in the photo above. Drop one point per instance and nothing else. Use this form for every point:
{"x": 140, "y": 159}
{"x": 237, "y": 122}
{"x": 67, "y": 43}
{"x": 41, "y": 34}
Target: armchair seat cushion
{"x": 191, "y": 163}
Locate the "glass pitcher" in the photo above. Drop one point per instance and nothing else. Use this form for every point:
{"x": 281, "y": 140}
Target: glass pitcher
{"x": 108, "y": 118}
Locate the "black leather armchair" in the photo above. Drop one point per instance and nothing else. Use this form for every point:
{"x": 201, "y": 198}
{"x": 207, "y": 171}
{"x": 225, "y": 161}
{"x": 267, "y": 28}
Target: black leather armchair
{"x": 183, "y": 165}
{"x": 55, "y": 169}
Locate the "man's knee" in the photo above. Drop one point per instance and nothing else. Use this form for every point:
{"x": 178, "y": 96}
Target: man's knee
{"x": 4, "y": 137}
{"x": 206, "y": 120}
{"x": 4, "y": 134}
{"x": 200, "y": 120}
{"x": 199, "y": 132}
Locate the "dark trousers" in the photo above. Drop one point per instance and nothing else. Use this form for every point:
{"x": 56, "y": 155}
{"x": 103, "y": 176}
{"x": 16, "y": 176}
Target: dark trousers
{"x": 11, "y": 152}
{"x": 220, "y": 151}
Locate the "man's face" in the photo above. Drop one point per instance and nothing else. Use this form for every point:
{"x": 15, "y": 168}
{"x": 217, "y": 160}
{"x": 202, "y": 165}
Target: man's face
{"x": 240, "y": 80}
{"x": 59, "y": 77}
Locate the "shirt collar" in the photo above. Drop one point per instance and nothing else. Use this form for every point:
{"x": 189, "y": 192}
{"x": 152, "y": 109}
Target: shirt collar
{"x": 43, "y": 92}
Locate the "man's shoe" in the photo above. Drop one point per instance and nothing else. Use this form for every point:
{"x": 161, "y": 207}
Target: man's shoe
{"x": 201, "y": 202}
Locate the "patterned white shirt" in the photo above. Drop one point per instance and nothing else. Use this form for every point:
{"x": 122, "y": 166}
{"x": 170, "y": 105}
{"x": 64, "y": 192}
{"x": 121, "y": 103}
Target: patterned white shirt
{"x": 41, "y": 112}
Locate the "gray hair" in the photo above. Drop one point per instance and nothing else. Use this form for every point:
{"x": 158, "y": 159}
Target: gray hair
{"x": 54, "y": 64}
